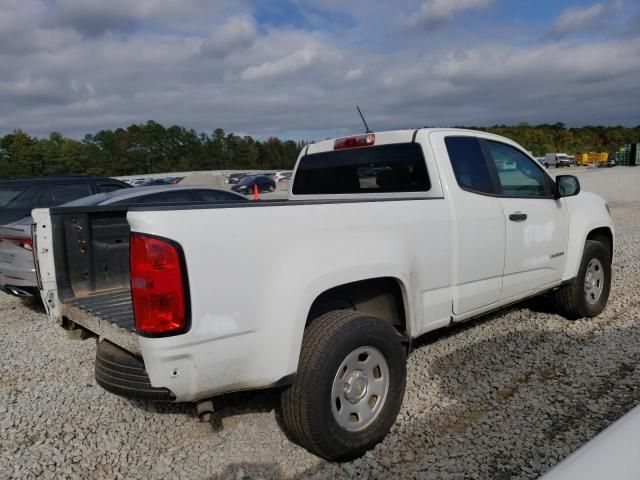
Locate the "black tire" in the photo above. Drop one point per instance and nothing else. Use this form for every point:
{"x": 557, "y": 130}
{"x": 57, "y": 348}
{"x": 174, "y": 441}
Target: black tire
{"x": 570, "y": 300}
{"x": 307, "y": 404}
{"x": 122, "y": 373}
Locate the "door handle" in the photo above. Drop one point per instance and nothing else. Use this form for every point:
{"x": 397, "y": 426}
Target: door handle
{"x": 518, "y": 217}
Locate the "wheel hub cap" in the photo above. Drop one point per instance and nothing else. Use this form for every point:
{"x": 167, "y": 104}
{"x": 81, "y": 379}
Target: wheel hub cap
{"x": 360, "y": 388}
{"x": 593, "y": 281}
{"x": 356, "y": 386}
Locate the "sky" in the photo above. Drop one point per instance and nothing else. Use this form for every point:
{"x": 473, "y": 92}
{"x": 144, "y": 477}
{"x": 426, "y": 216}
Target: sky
{"x": 296, "y": 69}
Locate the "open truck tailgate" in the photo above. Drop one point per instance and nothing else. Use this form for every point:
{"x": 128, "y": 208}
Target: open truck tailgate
{"x": 82, "y": 258}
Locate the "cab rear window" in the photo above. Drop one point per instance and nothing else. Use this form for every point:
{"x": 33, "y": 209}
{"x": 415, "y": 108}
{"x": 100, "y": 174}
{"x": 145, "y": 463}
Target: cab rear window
{"x": 398, "y": 167}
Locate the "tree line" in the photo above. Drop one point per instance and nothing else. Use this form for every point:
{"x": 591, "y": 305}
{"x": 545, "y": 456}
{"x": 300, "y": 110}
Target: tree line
{"x": 153, "y": 148}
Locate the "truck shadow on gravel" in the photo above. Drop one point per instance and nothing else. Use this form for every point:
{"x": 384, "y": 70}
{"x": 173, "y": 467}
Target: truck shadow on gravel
{"x": 513, "y": 405}
{"x": 226, "y": 406}
{"x": 34, "y": 304}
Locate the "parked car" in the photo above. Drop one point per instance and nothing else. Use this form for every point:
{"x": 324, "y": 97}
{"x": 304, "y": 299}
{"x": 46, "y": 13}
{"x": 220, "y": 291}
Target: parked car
{"x": 17, "y": 271}
{"x": 246, "y": 184}
{"x": 321, "y": 294}
{"x": 235, "y": 177}
{"x": 611, "y": 455}
{"x": 281, "y": 175}
{"x": 541, "y": 161}
{"x": 557, "y": 159}
{"x": 18, "y": 196}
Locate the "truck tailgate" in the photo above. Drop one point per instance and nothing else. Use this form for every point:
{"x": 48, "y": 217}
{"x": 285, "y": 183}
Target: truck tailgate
{"x": 89, "y": 284}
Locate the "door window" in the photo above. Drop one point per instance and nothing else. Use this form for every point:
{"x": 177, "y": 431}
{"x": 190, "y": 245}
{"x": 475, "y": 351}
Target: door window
{"x": 469, "y": 165}
{"x": 180, "y": 196}
{"x": 518, "y": 175}
{"x": 109, "y": 187}
{"x": 71, "y": 191}
{"x": 17, "y": 197}
{"x": 218, "y": 196}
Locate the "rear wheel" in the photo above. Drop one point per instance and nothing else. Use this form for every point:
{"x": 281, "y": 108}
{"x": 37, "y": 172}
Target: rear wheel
{"x": 587, "y": 294}
{"x": 349, "y": 385}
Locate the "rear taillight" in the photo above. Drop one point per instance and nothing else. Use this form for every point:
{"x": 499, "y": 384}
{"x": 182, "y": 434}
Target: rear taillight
{"x": 157, "y": 286}
{"x": 365, "y": 140}
{"x": 23, "y": 242}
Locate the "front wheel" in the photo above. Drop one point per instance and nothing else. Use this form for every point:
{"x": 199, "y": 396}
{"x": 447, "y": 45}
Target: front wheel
{"x": 349, "y": 385}
{"x": 587, "y": 294}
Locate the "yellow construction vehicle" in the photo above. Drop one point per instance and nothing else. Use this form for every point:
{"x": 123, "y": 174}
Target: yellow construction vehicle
{"x": 592, "y": 158}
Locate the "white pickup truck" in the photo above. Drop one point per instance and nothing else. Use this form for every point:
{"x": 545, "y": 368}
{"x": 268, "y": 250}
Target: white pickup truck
{"x": 384, "y": 236}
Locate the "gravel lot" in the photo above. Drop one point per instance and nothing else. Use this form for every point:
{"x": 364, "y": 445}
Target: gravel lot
{"x": 505, "y": 396}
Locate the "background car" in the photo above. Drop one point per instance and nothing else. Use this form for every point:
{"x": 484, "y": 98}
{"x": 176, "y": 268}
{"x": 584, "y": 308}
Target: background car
{"x": 282, "y": 175}
{"x": 17, "y": 270}
{"x": 245, "y": 186}
{"x": 18, "y": 196}
{"x": 235, "y": 177}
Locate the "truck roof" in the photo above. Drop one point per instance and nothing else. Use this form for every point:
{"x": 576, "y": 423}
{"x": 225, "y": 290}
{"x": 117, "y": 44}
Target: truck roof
{"x": 395, "y": 136}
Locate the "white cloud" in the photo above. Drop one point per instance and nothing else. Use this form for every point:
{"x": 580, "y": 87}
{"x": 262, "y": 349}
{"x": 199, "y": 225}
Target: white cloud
{"x": 265, "y": 80}
{"x": 437, "y": 11}
{"x": 577, "y": 18}
{"x": 296, "y": 61}
{"x": 237, "y": 33}
{"x": 353, "y": 74}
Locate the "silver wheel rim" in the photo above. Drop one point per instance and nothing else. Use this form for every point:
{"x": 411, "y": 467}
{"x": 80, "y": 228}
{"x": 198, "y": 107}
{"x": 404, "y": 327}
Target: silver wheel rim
{"x": 360, "y": 388}
{"x": 593, "y": 281}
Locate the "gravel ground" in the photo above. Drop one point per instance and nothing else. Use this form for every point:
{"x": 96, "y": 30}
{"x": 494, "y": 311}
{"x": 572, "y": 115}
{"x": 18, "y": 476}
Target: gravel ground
{"x": 505, "y": 396}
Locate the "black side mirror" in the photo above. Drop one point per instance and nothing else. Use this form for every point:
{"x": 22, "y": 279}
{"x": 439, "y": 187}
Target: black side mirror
{"x": 567, "y": 186}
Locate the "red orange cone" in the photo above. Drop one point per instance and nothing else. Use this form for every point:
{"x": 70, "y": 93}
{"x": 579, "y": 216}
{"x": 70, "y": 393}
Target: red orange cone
{"x": 256, "y": 192}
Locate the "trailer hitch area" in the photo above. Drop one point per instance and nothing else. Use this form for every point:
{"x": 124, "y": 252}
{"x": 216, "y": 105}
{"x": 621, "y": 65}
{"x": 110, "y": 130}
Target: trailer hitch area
{"x": 75, "y": 331}
{"x": 206, "y": 414}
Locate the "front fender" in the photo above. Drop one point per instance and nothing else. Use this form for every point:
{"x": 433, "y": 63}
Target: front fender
{"x": 587, "y": 212}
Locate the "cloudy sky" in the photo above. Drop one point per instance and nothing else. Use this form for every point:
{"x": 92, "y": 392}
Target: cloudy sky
{"x": 297, "y": 68}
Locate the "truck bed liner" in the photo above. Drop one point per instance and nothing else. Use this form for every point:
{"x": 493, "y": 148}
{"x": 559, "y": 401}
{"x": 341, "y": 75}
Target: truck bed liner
{"x": 114, "y": 306}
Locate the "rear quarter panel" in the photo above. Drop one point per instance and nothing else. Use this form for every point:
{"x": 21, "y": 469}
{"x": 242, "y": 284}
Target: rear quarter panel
{"x": 255, "y": 271}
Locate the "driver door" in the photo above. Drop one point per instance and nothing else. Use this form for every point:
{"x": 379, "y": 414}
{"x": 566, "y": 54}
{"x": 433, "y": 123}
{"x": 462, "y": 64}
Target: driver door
{"x": 536, "y": 223}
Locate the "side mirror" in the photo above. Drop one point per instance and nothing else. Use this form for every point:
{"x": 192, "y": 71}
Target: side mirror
{"x": 567, "y": 186}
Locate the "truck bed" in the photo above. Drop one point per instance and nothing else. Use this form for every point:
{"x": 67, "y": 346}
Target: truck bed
{"x": 114, "y": 306}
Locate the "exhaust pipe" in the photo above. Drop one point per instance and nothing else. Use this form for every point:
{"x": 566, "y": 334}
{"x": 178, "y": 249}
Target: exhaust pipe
{"x": 19, "y": 292}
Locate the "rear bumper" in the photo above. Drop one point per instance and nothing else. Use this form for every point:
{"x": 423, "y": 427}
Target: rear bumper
{"x": 124, "y": 374}
{"x": 18, "y": 291}
{"x": 19, "y": 277}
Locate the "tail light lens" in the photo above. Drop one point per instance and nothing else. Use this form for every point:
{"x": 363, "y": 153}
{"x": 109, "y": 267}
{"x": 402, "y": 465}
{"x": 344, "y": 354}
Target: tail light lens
{"x": 26, "y": 242}
{"x": 157, "y": 286}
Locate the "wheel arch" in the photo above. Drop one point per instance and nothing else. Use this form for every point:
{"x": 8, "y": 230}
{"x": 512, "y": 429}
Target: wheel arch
{"x": 588, "y": 220}
{"x": 603, "y": 235}
{"x": 382, "y": 297}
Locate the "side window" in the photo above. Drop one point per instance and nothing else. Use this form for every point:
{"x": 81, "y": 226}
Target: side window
{"x": 19, "y": 198}
{"x": 218, "y": 196}
{"x": 46, "y": 198}
{"x": 109, "y": 187}
{"x": 519, "y": 176}
{"x": 180, "y": 196}
{"x": 469, "y": 165}
{"x": 71, "y": 191}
